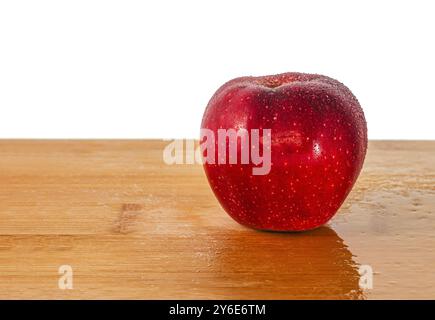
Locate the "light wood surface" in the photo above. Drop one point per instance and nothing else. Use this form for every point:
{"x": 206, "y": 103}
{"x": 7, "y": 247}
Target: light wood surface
{"x": 131, "y": 226}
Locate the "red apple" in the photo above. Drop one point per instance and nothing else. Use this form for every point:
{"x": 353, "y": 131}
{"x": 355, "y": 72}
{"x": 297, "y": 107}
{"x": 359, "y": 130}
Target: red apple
{"x": 318, "y": 142}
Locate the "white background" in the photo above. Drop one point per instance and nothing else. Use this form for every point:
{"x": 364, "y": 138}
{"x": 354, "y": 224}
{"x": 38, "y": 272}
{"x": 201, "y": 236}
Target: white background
{"x": 146, "y": 69}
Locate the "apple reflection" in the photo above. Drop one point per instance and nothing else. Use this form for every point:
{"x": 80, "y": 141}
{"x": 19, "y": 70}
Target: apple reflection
{"x": 310, "y": 265}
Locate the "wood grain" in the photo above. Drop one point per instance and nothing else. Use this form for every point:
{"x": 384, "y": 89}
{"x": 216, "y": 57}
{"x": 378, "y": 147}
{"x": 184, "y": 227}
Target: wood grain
{"x": 131, "y": 226}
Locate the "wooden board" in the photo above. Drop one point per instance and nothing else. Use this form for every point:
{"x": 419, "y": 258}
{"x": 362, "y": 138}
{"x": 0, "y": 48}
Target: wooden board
{"x": 131, "y": 226}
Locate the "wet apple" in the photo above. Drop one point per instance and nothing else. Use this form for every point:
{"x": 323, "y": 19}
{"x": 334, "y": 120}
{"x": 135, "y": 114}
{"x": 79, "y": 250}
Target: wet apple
{"x": 318, "y": 141}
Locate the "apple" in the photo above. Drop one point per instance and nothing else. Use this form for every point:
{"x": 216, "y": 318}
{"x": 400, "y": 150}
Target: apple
{"x": 317, "y": 140}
